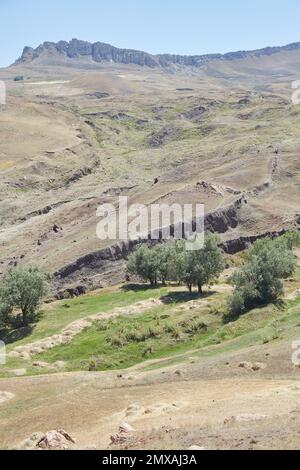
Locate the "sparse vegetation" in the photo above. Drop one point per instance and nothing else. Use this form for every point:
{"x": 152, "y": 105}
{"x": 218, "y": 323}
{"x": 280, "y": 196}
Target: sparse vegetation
{"x": 173, "y": 329}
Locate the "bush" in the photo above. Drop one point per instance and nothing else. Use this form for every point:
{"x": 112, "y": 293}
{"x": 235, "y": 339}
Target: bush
{"x": 236, "y": 306}
{"x": 194, "y": 326}
{"x": 291, "y": 238}
{"x": 19, "y": 78}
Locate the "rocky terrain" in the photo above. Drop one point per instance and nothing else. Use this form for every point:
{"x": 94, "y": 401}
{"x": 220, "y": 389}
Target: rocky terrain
{"x": 101, "y": 52}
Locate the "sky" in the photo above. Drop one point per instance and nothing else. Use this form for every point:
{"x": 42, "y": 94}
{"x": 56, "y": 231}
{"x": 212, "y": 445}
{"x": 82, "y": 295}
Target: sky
{"x": 156, "y": 26}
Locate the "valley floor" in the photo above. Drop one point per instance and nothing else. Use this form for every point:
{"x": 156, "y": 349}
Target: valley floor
{"x": 222, "y": 387}
{"x": 168, "y": 408}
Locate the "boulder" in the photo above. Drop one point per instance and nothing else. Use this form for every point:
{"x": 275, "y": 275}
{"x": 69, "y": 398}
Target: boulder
{"x": 125, "y": 428}
{"x": 55, "y": 440}
{"x": 124, "y": 433}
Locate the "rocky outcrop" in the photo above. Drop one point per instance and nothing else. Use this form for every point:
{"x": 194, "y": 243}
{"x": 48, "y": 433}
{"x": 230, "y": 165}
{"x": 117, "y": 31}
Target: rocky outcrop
{"x": 165, "y": 135}
{"x": 222, "y": 220}
{"x": 237, "y": 245}
{"x": 96, "y": 262}
{"x": 101, "y": 52}
{"x": 112, "y": 259}
{"x": 55, "y": 440}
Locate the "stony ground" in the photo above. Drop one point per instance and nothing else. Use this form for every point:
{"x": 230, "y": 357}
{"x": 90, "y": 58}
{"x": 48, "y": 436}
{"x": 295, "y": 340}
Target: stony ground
{"x": 214, "y": 404}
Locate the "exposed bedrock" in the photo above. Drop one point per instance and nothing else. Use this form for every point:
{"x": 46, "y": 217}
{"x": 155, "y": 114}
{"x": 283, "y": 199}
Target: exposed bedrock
{"x": 232, "y": 247}
{"x": 109, "y": 264}
{"x": 101, "y": 52}
{"x": 110, "y": 260}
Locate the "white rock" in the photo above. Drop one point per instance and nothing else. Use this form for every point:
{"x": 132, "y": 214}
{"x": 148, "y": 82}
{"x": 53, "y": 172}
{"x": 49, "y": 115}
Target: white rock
{"x": 125, "y": 428}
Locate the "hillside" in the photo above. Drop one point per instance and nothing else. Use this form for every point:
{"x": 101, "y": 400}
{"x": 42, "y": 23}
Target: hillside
{"x": 235, "y": 384}
{"x": 50, "y": 53}
{"x": 86, "y": 123}
{"x": 224, "y": 134}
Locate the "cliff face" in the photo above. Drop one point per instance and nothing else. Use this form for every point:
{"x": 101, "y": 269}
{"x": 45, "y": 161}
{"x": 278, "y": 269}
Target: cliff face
{"x": 101, "y": 52}
{"x": 98, "y": 52}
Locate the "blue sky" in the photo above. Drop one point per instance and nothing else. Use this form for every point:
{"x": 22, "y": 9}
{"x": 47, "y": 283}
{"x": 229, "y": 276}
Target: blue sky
{"x": 175, "y": 26}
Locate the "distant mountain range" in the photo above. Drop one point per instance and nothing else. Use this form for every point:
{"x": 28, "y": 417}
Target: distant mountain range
{"x": 100, "y": 52}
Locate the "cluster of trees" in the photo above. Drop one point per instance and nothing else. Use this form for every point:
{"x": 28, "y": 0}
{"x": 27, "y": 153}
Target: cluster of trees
{"x": 21, "y": 291}
{"x": 257, "y": 282}
{"x": 172, "y": 262}
{"x": 260, "y": 279}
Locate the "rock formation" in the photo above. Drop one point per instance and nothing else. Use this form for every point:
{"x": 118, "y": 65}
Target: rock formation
{"x": 101, "y": 52}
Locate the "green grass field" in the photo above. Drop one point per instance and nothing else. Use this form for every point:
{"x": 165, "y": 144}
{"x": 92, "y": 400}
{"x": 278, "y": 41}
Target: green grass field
{"x": 54, "y": 317}
{"x": 166, "y": 331}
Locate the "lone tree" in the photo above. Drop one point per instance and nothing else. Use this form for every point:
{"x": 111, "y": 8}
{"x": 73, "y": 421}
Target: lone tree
{"x": 21, "y": 291}
{"x": 260, "y": 280}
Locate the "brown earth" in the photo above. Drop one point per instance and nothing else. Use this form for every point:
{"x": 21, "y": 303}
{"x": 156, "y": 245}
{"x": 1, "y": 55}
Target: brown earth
{"x": 72, "y": 139}
{"x": 212, "y": 403}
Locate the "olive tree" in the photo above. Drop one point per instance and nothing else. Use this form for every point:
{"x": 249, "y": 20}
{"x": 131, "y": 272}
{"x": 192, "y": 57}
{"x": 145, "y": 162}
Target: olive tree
{"x": 200, "y": 267}
{"x": 21, "y": 291}
{"x": 144, "y": 263}
{"x": 260, "y": 280}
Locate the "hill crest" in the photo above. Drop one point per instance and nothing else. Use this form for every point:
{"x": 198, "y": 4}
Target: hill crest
{"x": 102, "y": 52}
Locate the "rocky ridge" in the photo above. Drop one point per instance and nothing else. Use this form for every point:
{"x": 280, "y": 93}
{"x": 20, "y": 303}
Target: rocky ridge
{"x": 102, "y": 52}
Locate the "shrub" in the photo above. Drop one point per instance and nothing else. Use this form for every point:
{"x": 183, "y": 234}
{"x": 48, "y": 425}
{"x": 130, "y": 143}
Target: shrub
{"x": 194, "y": 326}
{"x": 291, "y": 238}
